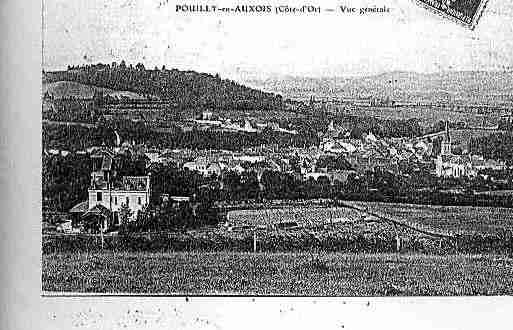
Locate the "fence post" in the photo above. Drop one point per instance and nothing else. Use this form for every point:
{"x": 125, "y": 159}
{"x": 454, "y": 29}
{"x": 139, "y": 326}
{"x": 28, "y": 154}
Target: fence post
{"x": 254, "y": 242}
{"x": 397, "y": 243}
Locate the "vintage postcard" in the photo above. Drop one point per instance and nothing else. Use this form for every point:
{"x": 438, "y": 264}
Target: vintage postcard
{"x": 334, "y": 148}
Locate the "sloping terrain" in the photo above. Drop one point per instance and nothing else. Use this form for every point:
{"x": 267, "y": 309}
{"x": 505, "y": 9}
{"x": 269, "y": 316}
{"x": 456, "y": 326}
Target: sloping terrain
{"x": 184, "y": 88}
{"x": 65, "y": 89}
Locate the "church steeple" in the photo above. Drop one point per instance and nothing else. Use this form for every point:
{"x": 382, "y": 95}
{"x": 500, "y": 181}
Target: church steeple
{"x": 446, "y": 143}
{"x": 447, "y": 134}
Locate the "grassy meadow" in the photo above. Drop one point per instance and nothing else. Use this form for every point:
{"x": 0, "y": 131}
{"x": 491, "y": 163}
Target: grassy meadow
{"x": 190, "y": 273}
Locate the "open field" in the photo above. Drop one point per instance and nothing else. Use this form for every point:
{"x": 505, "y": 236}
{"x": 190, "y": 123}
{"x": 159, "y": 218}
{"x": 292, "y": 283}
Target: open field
{"x": 302, "y": 215}
{"x": 453, "y": 219}
{"x": 449, "y": 219}
{"x": 278, "y": 273}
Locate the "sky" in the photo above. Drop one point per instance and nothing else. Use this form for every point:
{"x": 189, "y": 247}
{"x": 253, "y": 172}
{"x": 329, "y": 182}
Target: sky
{"x": 242, "y": 47}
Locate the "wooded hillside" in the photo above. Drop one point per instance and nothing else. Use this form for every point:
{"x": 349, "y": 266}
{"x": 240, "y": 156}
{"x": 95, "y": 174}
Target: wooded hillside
{"x": 184, "y": 88}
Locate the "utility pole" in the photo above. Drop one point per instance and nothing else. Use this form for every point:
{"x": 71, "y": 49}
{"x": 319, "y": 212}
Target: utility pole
{"x": 110, "y": 198}
{"x": 101, "y": 232}
{"x": 254, "y": 242}
{"x": 397, "y": 240}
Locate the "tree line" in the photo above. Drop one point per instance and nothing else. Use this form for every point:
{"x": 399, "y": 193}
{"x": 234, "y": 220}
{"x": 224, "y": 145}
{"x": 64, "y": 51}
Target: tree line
{"x": 66, "y": 179}
{"x": 497, "y": 146}
{"x": 74, "y": 137}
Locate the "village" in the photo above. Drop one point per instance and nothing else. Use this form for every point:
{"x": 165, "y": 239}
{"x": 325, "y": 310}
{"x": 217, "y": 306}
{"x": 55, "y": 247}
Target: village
{"x": 338, "y": 158}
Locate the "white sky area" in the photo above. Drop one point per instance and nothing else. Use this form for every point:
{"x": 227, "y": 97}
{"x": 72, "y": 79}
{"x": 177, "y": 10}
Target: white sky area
{"x": 242, "y": 47}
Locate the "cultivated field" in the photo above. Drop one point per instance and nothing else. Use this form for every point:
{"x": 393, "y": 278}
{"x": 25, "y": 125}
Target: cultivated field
{"x": 278, "y": 273}
{"x": 448, "y": 219}
{"x": 453, "y": 219}
{"x": 301, "y": 215}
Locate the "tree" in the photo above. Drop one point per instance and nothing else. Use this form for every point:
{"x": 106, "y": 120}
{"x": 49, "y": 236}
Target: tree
{"x": 124, "y": 215}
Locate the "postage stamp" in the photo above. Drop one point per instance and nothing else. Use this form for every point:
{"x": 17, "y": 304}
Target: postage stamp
{"x": 465, "y": 12}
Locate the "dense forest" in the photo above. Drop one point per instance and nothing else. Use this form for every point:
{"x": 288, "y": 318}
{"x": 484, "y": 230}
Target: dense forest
{"x": 184, "y": 88}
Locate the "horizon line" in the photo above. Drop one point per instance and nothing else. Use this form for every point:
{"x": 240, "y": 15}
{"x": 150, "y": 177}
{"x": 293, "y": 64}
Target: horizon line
{"x": 272, "y": 75}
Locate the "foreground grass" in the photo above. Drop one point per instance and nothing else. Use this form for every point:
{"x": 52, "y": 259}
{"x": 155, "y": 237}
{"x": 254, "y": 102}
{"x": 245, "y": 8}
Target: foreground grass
{"x": 278, "y": 273}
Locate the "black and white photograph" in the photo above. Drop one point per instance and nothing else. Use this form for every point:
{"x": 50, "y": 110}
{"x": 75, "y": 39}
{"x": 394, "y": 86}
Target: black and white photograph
{"x": 316, "y": 149}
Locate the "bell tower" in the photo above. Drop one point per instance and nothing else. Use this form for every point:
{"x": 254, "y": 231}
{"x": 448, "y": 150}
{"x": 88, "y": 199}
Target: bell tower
{"x": 446, "y": 143}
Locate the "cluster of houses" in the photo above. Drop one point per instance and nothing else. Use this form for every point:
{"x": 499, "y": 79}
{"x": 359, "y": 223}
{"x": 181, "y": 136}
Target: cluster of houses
{"x": 209, "y": 121}
{"x": 371, "y": 152}
{"x": 337, "y": 157}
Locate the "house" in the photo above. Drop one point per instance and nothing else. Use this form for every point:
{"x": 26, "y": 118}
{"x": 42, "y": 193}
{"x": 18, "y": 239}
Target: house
{"x": 206, "y": 115}
{"x": 338, "y": 147}
{"x": 247, "y": 128}
{"x": 204, "y": 166}
{"x": 133, "y": 192}
{"x": 480, "y": 163}
{"x": 174, "y": 201}
{"x": 108, "y": 193}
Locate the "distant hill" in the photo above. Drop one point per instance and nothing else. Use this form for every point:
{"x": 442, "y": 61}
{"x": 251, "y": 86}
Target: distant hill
{"x": 183, "y": 88}
{"x": 60, "y": 89}
{"x": 456, "y": 86}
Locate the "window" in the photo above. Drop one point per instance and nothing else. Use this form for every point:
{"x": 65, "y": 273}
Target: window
{"x": 127, "y": 201}
{"x": 139, "y": 201}
{"x": 99, "y": 196}
{"x": 115, "y": 200}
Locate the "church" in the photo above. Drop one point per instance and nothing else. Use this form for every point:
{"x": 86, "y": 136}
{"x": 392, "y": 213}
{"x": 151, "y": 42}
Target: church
{"x": 450, "y": 165}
